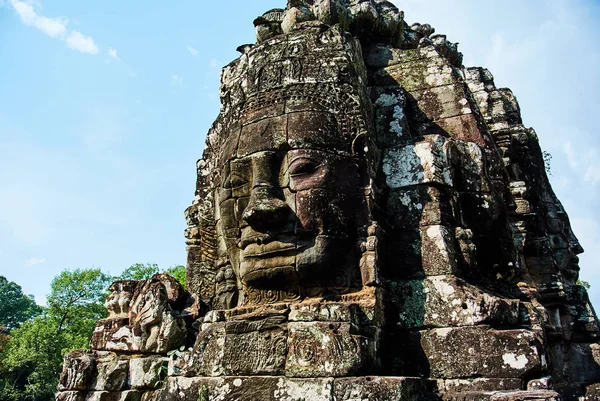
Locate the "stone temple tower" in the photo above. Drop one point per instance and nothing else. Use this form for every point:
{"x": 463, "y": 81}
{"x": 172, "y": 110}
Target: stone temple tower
{"x": 372, "y": 221}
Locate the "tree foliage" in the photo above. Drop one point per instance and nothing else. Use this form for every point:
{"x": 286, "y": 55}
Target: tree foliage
{"x": 584, "y": 284}
{"x": 16, "y": 307}
{"x": 34, "y": 340}
{"x": 179, "y": 273}
{"x": 139, "y": 271}
{"x": 32, "y": 358}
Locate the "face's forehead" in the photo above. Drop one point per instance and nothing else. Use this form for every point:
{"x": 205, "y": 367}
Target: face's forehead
{"x": 317, "y": 130}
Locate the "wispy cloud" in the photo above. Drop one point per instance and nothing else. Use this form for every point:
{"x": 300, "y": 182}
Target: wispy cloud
{"x": 571, "y": 155}
{"x": 55, "y": 28}
{"x": 592, "y": 175}
{"x": 176, "y": 79}
{"x": 34, "y": 261}
{"x": 583, "y": 160}
{"x": 192, "y": 51}
{"x": 113, "y": 53}
{"x": 82, "y": 43}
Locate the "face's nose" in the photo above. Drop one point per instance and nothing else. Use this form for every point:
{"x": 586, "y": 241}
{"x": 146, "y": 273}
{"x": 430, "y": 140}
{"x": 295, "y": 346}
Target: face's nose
{"x": 266, "y": 207}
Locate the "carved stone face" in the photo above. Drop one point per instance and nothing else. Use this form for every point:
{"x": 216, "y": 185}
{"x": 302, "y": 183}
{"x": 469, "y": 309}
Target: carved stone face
{"x": 119, "y": 299}
{"x": 286, "y": 207}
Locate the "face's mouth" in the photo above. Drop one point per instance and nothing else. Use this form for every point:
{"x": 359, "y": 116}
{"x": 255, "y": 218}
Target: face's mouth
{"x": 270, "y": 240}
{"x": 273, "y": 248}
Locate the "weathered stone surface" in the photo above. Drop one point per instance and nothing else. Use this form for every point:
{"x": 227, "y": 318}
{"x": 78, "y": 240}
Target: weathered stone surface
{"x": 445, "y": 301}
{"x": 79, "y": 371}
{"x": 383, "y": 389}
{"x": 365, "y": 205}
{"x": 328, "y": 349}
{"x": 71, "y": 396}
{"x": 420, "y": 163}
{"x": 467, "y": 352}
{"x": 151, "y": 325}
{"x": 147, "y": 373}
{"x": 453, "y": 386}
{"x": 131, "y": 395}
{"x": 584, "y": 363}
{"x": 503, "y": 396}
{"x": 112, "y": 372}
{"x": 293, "y": 389}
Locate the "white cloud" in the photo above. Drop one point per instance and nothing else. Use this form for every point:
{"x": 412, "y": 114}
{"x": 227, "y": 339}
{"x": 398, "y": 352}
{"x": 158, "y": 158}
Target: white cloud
{"x": 82, "y": 43}
{"x": 177, "y": 79}
{"x": 192, "y": 51}
{"x": 113, "y": 53}
{"x": 592, "y": 175}
{"x": 214, "y": 64}
{"x": 571, "y": 155}
{"x": 34, "y": 261}
{"x": 53, "y": 27}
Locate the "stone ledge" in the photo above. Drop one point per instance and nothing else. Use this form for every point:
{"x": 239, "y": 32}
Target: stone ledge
{"x": 287, "y": 389}
{"x": 545, "y": 395}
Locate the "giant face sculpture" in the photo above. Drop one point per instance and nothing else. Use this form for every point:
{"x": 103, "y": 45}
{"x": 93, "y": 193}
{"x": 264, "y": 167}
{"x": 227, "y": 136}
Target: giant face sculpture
{"x": 286, "y": 210}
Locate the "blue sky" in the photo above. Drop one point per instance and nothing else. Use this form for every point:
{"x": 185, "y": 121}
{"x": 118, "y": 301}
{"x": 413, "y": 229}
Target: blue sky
{"x": 104, "y": 107}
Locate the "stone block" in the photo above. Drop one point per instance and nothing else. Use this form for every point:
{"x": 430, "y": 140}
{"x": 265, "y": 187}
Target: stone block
{"x": 111, "y": 335}
{"x": 390, "y": 118}
{"x": 312, "y": 130}
{"x": 416, "y": 75}
{"x": 273, "y": 133}
{"x": 438, "y": 250}
{"x": 426, "y": 251}
{"x": 257, "y": 388}
{"x": 131, "y": 395}
{"x": 446, "y": 301}
{"x": 592, "y": 393}
{"x": 112, "y": 372}
{"x": 254, "y": 388}
{"x": 463, "y": 128}
{"x": 255, "y": 348}
{"x": 79, "y": 370}
{"x": 70, "y": 396}
{"x": 380, "y": 55}
{"x": 479, "y": 384}
{"x": 437, "y": 103}
{"x": 320, "y": 349}
{"x": 304, "y": 389}
{"x": 147, "y": 373}
{"x": 360, "y": 313}
{"x": 422, "y": 205}
{"x": 466, "y": 352}
{"x": 235, "y": 348}
{"x": 383, "y": 389}
{"x": 424, "y": 162}
{"x": 502, "y": 396}
{"x": 584, "y": 363}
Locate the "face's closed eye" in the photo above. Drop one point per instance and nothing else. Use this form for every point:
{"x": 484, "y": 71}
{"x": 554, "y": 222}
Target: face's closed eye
{"x": 303, "y": 166}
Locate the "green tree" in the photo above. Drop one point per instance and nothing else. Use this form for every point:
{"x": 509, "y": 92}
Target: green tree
{"x": 178, "y": 272}
{"x": 32, "y": 359}
{"x": 16, "y": 307}
{"x": 139, "y": 271}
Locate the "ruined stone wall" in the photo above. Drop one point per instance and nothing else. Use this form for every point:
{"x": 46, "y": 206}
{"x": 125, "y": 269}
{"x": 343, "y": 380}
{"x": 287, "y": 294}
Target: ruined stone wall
{"x": 372, "y": 221}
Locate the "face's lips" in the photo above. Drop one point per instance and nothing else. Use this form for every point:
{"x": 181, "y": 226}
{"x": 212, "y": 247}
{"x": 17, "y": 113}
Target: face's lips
{"x": 264, "y": 239}
{"x": 255, "y": 250}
